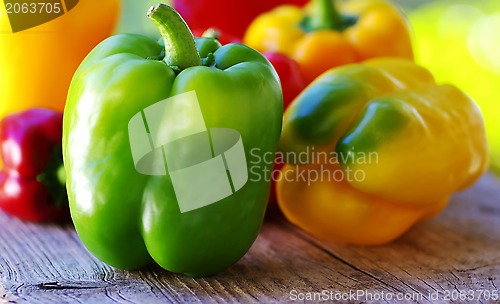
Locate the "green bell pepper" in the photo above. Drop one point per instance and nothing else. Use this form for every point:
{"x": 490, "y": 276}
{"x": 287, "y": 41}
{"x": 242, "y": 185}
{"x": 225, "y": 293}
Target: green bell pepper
{"x": 126, "y": 218}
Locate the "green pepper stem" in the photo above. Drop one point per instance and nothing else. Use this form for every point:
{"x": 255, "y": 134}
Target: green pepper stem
{"x": 325, "y": 16}
{"x": 180, "y": 48}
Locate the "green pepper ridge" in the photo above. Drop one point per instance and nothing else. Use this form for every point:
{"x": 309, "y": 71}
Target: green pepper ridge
{"x": 380, "y": 122}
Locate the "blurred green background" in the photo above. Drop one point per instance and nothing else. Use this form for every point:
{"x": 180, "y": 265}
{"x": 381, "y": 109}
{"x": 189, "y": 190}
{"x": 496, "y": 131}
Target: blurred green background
{"x": 133, "y": 17}
{"x": 412, "y": 4}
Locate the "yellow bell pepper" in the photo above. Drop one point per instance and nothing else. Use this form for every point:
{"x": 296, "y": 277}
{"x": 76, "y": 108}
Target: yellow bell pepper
{"x": 320, "y": 37}
{"x": 37, "y": 64}
{"x": 381, "y": 146}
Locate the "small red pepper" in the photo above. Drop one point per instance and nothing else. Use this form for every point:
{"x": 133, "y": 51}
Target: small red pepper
{"x": 32, "y": 180}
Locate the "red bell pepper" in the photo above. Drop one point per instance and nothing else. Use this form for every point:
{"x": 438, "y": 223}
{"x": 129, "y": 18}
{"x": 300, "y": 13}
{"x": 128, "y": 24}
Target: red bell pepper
{"x": 292, "y": 82}
{"x": 229, "y": 16}
{"x": 32, "y": 180}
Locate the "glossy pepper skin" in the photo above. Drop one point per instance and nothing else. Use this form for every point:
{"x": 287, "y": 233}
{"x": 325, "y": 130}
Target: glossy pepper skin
{"x": 128, "y": 219}
{"x": 398, "y": 144}
{"x": 230, "y": 16}
{"x": 60, "y": 44}
{"x": 32, "y": 181}
{"x": 319, "y": 37}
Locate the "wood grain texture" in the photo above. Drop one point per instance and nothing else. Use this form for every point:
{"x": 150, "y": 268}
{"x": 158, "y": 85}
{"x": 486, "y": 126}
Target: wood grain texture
{"x": 458, "y": 250}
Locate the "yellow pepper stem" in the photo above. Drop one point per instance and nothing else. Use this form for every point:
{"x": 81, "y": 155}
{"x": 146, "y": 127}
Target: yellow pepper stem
{"x": 325, "y": 16}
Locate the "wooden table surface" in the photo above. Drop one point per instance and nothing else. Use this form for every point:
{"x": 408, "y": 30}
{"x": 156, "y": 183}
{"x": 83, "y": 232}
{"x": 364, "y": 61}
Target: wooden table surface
{"x": 457, "y": 253}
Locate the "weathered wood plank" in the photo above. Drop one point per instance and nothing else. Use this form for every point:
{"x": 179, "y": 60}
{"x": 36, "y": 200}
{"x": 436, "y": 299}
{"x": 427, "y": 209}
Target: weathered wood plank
{"x": 459, "y": 250}
{"x": 48, "y": 263}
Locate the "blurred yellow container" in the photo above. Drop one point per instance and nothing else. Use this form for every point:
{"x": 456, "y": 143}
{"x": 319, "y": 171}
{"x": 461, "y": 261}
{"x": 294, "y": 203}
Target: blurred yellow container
{"x": 37, "y": 64}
